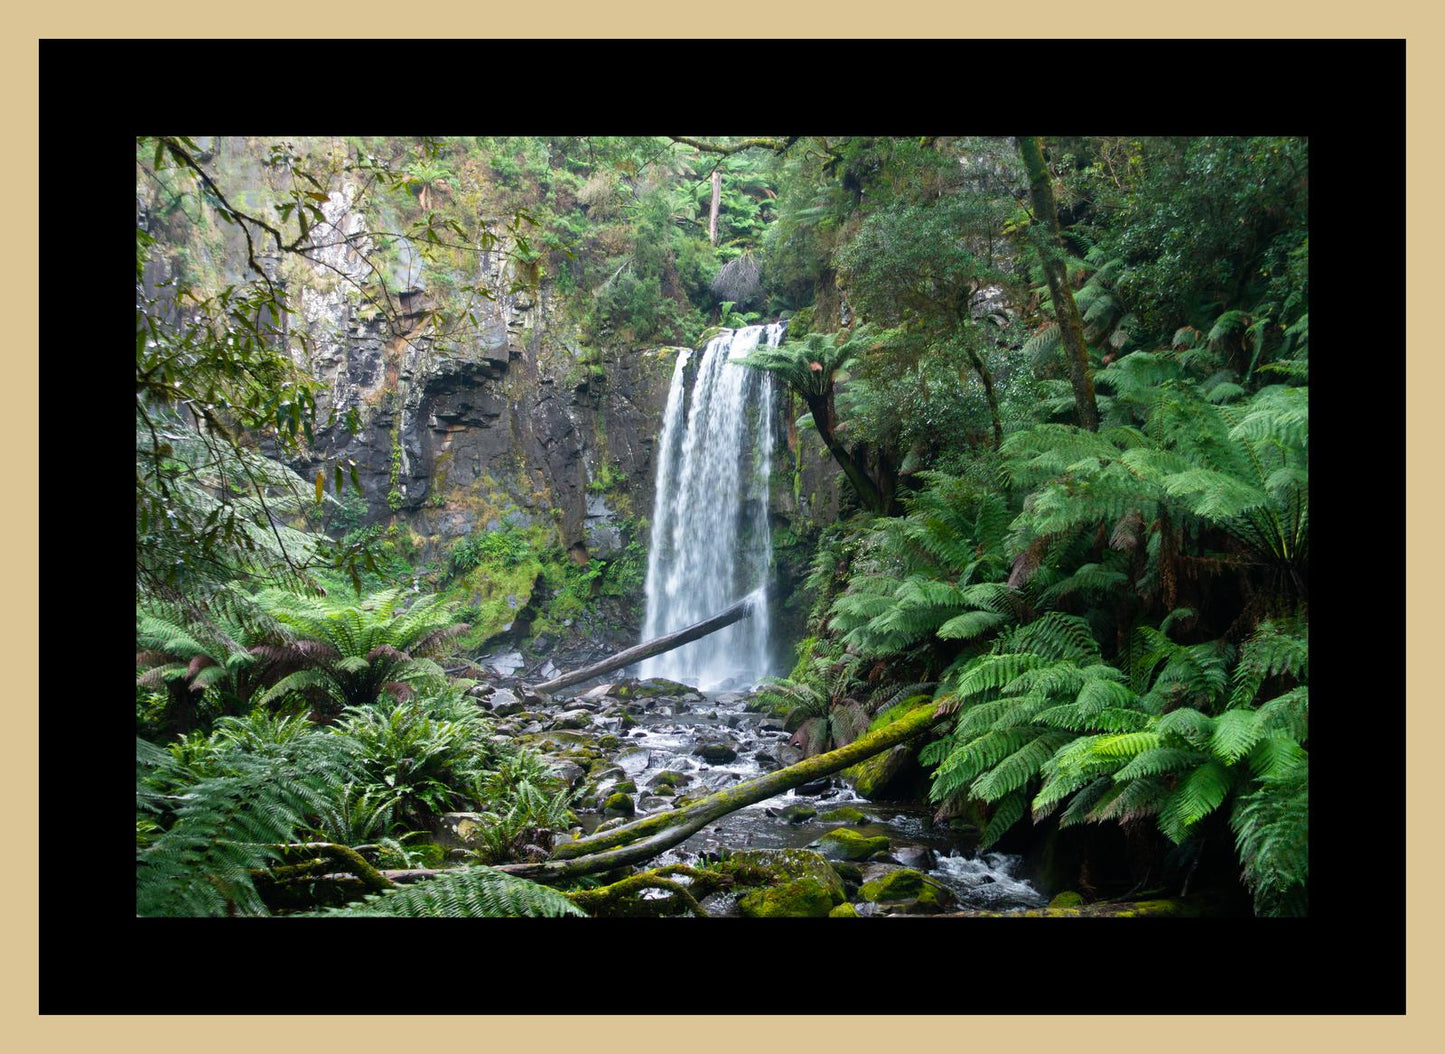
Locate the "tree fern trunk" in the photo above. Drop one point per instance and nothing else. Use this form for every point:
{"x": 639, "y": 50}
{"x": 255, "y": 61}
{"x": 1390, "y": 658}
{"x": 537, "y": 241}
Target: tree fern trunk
{"x": 1051, "y": 249}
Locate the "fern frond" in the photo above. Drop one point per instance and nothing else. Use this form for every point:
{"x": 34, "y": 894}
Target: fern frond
{"x": 471, "y": 892}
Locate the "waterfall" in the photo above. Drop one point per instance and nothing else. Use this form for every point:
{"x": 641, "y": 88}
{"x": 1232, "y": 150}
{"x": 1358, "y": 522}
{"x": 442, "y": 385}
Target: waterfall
{"x": 711, "y": 544}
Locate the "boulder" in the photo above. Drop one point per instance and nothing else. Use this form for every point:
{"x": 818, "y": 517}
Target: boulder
{"x": 717, "y": 751}
{"x": 907, "y": 892}
{"x": 789, "y": 883}
{"x": 798, "y": 813}
{"x": 844, "y": 843}
{"x": 578, "y": 718}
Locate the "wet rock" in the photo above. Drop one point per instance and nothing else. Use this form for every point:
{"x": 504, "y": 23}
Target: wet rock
{"x": 609, "y": 742}
{"x": 919, "y": 857}
{"x": 799, "y": 813}
{"x": 846, "y": 814}
{"x": 766, "y": 761}
{"x": 596, "y": 693}
{"x": 573, "y": 719}
{"x": 1067, "y": 899}
{"x": 794, "y": 883}
{"x": 619, "y": 804}
{"x": 717, "y": 752}
{"x": 844, "y": 843}
{"x": 670, "y": 778}
{"x": 844, "y": 911}
{"x": 908, "y": 892}
{"x": 816, "y": 787}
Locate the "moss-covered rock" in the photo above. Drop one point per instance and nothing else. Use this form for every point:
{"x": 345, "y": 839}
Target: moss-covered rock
{"x": 792, "y": 883}
{"x": 619, "y": 804}
{"x": 626, "y": 787}
{"x": 1067, "y": 899}
{"x": 649, "y": 689}
{"x": 609, "y": 742}
{"x": 888, "y": 776}
{"x": 669, "y": 778}
{"x": 846, "y": 814}
{"x": 844, "y": 843}
{"x": 844, "y": 911}
{"x": 799, "y": 813}
{"x": 906, "y": 890}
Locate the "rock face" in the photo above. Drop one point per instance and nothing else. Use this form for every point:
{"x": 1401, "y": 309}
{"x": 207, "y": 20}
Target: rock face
{"x": 496, "y": 418}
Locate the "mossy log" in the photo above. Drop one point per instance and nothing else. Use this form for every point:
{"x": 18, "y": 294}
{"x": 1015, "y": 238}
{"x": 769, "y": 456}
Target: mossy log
{"x": 610, "y": 899}
{"x": 340, "y": 857}
{"x": 741, "y": 610}
{"x": 643, "y": 839}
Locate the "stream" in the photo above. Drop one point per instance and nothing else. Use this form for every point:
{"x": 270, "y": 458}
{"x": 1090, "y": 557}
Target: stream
{"x": 694, "y": 734}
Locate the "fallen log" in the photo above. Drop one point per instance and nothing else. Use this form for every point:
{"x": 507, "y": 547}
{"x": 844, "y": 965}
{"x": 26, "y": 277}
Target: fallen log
{"x": 647, "y": 649}
{"x": 643, "y": 839}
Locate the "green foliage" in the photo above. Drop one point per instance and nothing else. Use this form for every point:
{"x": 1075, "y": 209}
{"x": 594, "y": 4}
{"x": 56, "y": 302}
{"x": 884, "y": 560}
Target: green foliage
{"x": 472, "y": 892}
{"x": 347, "y": 654}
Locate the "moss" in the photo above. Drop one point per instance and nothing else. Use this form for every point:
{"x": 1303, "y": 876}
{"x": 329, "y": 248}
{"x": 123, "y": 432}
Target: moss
{"x": 609, "y": 742}
{"x": 844, "y": 911}
{"x": 669, "y": 778}
{"x": 798, "y": 813}
{"x": 805, "y": 898}
{"x": 649, "y": 689}
{"x": 626, "y": 787}
{"x": 847, "y": 844}
{"x": 795, "y": 883}
{"x": 620, "y": 803}
{"x": 846, "y": 814}
{"x": 905, "y": 887}
{"x": 1067, "y": 899}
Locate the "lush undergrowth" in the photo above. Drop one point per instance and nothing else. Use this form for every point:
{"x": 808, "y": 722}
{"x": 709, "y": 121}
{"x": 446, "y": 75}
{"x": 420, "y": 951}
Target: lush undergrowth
{"x": 1065, "y": 387}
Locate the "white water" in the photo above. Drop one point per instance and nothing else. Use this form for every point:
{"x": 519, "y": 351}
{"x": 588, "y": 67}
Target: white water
{"x": 711, "y": 543}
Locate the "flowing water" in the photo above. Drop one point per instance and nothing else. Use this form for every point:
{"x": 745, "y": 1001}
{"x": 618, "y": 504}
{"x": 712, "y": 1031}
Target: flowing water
{"x": 671, "y": 730}
{"x": 711, "y": 544}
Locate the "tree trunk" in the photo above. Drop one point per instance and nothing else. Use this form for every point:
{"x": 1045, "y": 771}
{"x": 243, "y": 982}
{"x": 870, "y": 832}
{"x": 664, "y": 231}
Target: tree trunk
{"x": 713, "y": 209}
{"x": 857, "y": 474}
{"x": 741, "y": 610}
{"x": 987, "y": 378}
{"x": 643, "y": 839}
{"x": 1051, "y": 249}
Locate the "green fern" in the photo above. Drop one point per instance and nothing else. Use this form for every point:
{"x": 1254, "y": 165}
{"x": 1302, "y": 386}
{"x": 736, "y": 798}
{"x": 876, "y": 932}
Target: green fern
{"x": 472, "y": 892}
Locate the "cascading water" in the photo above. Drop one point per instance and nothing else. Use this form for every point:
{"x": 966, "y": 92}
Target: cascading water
{"x": 711, "y": 543}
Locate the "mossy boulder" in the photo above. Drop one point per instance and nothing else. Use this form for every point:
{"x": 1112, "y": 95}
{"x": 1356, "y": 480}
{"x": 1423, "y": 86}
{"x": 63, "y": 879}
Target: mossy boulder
{"x": 906, "y": 890}
{"x": 649, "y": 689}
{"x": 844, "y": 843}
{"x": 790, "y": 883}
{"x": 846, "y": 814}
{"x": 609, "y": 742}
{"x": 619, "y": 804}
{"x": 799, "y": 813}
{"x": 626, "y": 787}
{"x": 669, "y": 778}
{"x": 1067, "y": 899}
{"x": 844, "y": 911}
{"x": 890, "y": 776}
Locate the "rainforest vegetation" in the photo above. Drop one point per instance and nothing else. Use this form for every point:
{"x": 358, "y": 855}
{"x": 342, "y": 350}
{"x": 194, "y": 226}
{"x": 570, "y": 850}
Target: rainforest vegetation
{"x": 1043, "y": 423}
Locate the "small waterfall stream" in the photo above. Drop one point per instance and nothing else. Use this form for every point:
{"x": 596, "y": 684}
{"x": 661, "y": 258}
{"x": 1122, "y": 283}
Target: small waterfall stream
{"x": 711, "y": 544}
